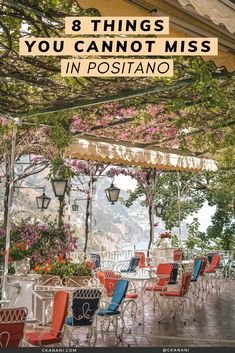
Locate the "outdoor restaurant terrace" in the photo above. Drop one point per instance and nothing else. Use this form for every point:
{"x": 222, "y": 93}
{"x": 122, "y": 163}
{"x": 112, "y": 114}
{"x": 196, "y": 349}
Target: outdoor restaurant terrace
{"x": 66, "y": 277}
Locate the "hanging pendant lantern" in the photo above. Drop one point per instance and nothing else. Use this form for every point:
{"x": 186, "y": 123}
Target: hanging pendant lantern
{"x": 59, "y": 187}
{"x": 158, "y": 209}
{"x": 43, "y": 201}
{"x": 112, "y": 194}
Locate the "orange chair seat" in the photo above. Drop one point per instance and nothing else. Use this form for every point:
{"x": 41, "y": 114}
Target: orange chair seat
{"x": 170, "y": 294}
{"x": 35, "y": 339}
{"x": 209, "y": 271}
{"x": 131, "y": 296}
{"x": 154, "y": 288}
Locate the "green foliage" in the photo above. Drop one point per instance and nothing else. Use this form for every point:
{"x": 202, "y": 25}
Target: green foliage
{"x": 166, "y": 192}
{"x": 196, "y": 239}
{"x": 17, "y": 254}
{"x": 60, "y": 168}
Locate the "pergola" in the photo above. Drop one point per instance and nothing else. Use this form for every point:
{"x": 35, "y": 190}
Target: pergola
{"x": 187, "y": 18}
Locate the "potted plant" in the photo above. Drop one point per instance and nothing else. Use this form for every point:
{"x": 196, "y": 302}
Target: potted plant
{"x": 164, "y": 240}
{"x": 20, "y": 255}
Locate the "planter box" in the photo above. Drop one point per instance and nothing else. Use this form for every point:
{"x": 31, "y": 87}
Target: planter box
{"x": 77, "y": 281}
{"x": 50, "y": 280}
{"x": 72, "y": 281}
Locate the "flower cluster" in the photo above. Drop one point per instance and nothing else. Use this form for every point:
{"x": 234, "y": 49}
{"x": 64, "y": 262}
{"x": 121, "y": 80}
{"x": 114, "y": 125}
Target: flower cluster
{"x": 39, "y": 241}
{"x": 18, "y": 252}
{"x": 63, "y": 267}
{"x": 165, "y": 235}
{"x": 143, "y": 124}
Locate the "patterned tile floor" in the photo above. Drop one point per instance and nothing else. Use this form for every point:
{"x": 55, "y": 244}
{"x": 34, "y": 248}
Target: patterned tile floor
{"x": 214, "y": 326}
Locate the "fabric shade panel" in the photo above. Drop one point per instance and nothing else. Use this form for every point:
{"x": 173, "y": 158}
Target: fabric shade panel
{"x": 105, "y": 152}
{"x": 217, "y": 11}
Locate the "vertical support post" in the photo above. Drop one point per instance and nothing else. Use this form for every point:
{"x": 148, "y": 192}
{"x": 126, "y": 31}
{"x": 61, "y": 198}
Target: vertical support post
{"x": 179, "y": 207}
{"x": 10, "y": 208}
{"x": 91, "y": 207}
{"x": 69, "y": 194}
{"x": 69, "y": 202}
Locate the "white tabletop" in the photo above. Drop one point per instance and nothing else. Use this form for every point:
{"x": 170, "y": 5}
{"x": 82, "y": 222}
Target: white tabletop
{"x": 148, "y": 275}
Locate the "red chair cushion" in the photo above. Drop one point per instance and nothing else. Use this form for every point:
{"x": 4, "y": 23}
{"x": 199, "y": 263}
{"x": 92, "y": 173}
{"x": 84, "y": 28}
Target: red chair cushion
{"x": 59, "y": 312}
{"x": 170, "y": 294}
{"x": 12, "y": 323}
{"x": 46, "y": 339}
{"x": 131, "y": 296}
{"x": 142, "y": 258}
{"x": 109, "y": 280}
{"x": 154, "y": 288}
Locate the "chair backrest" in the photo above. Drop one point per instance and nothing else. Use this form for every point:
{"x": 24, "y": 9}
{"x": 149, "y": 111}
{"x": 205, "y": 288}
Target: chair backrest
{"x": 185, "y": 283}
{"x": 197, "y": 268}
{"x": 96, "y": 260}
{"x": 59, "y": 313}
{"x": 84, "y": 305}
{"x": 90, "y": 263}
{"x": 109, "y": 280}
{"x": 210, "y": 255}
{"x": 214, "y": 263}
{"x": 12, "y": 322}
{"x": 141, "y": 255}
{"x": 119, "y": 294}
{"x": 174, "y": 274}
{"x": 203, "y": 265}
{"x": 177, "y": 255}
{"x": 165, "y": 270}
{"x": 100, "y": 276}
{"x": 134, "y": 262}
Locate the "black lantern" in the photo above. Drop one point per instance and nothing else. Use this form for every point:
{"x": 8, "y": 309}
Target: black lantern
{"x": 59, "y": 187}
{"x": 43, "y": 201}
{"x": 112, "y": 193}
{"x": 158, "y": 209}
{"x": 75, "y": 207}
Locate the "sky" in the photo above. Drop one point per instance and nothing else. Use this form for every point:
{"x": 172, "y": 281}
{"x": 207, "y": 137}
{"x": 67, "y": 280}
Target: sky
{"x": 204, "y": 214}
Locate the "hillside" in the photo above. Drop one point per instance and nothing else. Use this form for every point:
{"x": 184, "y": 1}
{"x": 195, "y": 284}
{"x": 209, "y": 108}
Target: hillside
{"x": 113, "y": 225}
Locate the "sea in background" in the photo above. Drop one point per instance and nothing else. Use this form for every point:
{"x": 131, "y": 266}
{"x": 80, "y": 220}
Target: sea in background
{"x": 142, "y": 245}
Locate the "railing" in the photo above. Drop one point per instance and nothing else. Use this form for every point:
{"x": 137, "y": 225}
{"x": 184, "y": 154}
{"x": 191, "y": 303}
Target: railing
{"x": 108, "y": 255}
{"x": 125, "y": 255}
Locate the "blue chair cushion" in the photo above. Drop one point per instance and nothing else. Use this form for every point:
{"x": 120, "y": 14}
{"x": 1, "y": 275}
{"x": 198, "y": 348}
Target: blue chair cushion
{"x": 119, "y": 294}
{"x": 107, "y": 312}
{"x": 69, "y": 321}
{"x": 196, "y": 271}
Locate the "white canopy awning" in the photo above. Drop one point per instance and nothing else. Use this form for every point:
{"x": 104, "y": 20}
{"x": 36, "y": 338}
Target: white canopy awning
{"x": 217, "y": 11}
{"x": 133, "y": 156}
